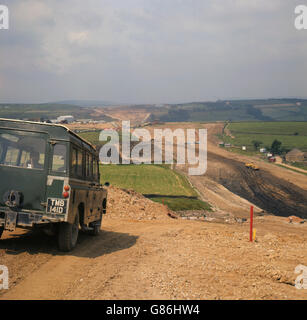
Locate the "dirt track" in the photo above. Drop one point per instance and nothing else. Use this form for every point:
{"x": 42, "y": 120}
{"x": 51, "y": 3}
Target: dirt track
{"x": 163, "y": 259}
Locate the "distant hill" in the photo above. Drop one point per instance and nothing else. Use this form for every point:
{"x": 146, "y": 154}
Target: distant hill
{"x": 45, "y": 111}
{"x": 235, "y": 110}
{"x": 221, "y": 110}
{"x": 86, "y": 103}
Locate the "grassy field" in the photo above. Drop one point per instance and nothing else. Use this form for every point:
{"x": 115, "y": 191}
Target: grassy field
{"x": 157, "y": 182}
{"x": 300, "y": 165}
{"x": 91, "y": 136}
{"x": 291, "y": 134}
{"x": 292, "y": 169}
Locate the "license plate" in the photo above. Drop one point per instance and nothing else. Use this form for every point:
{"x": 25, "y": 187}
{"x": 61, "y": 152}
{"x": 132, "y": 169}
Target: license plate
{"x": 57, "y": 206}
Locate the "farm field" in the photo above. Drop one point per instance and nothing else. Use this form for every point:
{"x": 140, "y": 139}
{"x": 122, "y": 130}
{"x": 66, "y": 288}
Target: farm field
{"x": 147, "y": 179}
{"x": 157, "y": 182}
{"x": 45, "y": 111}
{"x": 291, "y": 134}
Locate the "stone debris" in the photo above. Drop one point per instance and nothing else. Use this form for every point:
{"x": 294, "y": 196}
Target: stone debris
{"x": 218, "y": 216}
{"x": 294, "y": 219}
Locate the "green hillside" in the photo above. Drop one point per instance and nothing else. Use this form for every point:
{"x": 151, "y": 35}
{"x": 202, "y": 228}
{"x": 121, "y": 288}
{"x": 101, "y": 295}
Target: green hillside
{"x": 157, "y": 182}
{"x": 236, "y": 110}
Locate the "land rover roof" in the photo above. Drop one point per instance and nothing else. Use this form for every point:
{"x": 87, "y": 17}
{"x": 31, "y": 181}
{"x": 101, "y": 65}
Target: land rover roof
{"x": 56, "y": 131}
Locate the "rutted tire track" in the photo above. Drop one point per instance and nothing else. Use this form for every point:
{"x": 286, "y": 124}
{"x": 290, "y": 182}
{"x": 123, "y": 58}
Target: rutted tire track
{"x": 270, "y": 193}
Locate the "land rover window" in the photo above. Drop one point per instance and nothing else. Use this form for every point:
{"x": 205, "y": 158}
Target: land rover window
{"x": 11, "y": 157}
{"x": 1, "y": 151}
{"x": 87, "y": 167}
{"x": 90, "y": 166}
{"x": 32, "y": 160}
{"x": 95, "y": 171}
{"x": 59, "y": 158}
{"x": 74, "y": 161}
{"x": 21, "y": 150}
{"x": 25, "y": 158}
{"x": 80, "y": 163}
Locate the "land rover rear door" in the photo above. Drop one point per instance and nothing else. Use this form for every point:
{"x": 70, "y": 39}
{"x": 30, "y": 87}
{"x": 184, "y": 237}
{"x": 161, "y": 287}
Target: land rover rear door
{"x": 23, "y": 167}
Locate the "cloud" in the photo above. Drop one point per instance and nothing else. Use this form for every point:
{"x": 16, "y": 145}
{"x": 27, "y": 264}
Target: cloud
{"x": 78, "y": 37}
{"x": 158, "y": 50}
{"x": 31, "y": 13}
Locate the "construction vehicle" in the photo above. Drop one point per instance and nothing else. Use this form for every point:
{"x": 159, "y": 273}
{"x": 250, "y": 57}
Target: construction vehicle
{"x": 251, "y": 166}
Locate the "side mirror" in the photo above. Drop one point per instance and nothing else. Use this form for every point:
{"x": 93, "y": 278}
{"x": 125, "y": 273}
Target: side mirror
{"x": 106, "y": 184}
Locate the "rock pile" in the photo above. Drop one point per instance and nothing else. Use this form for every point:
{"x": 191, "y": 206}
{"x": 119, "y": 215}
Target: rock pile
{"x": 132, "y": 205}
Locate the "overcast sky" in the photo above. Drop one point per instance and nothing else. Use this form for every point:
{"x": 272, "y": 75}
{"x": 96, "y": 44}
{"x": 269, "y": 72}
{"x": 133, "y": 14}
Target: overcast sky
{"x": 151, "y": 51}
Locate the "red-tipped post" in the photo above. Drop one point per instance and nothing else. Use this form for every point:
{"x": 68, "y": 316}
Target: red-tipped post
{"x": 251, "y": 224}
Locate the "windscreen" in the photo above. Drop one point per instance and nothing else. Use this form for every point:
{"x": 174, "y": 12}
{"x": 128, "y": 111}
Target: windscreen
{"x": 22, "y": 149}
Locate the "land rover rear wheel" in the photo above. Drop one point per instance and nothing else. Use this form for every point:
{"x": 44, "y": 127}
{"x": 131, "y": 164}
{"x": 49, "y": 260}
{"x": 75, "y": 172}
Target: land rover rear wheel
{"x": 68, "y": 234}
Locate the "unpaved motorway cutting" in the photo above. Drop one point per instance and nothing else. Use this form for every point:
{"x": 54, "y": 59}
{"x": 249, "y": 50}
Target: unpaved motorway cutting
{"x": 264, "y": 189}
{"x": 227, "y": 181}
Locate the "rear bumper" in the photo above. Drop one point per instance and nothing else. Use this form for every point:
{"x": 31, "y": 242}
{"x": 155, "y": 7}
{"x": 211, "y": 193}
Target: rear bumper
{"x": 28, "y": 219}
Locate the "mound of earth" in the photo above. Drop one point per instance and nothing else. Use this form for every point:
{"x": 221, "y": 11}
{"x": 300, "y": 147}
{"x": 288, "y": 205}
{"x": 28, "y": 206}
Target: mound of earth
{"x": 132, "y": 205}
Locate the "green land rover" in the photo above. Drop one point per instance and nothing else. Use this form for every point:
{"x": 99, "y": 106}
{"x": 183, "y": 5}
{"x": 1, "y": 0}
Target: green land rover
{"x": 49, "y": 178}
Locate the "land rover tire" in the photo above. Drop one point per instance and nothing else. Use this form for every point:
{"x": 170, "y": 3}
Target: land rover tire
{"x": 68, "y": 234}
{"x": 1, "y": 231}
